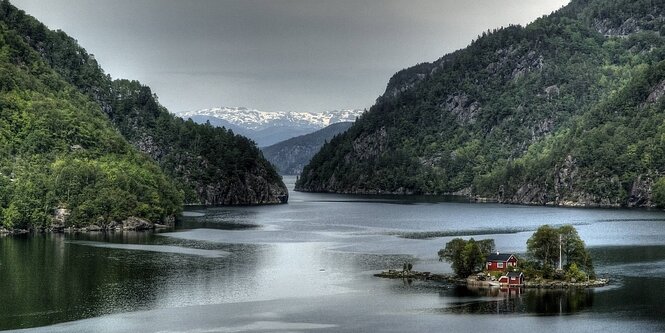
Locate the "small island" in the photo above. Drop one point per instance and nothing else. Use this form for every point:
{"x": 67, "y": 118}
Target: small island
{"x": 555, "y": 258}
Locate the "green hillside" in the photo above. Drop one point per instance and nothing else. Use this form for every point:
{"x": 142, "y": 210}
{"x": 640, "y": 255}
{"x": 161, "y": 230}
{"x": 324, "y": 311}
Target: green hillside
{"x": 58, "y": 150}
{"x": 563, "y": 111}
{"x": 211, "y": 165}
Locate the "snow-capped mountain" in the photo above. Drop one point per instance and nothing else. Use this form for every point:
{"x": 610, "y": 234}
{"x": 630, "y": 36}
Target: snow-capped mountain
{"x": 257, "y": 120}
{"x": 267, "y": 128}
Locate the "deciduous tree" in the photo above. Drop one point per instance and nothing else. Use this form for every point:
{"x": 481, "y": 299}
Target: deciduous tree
{"x": 466, "y": 257}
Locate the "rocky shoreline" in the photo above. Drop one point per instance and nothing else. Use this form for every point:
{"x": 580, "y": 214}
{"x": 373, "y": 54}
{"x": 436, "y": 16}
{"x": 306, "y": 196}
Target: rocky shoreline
{"x": 464, "y": 196}
{"x": 551, "y": 284}
{"x": 538, "y": 284}
{"x": 426, "y": 276}
{"x": 130, "y": 224}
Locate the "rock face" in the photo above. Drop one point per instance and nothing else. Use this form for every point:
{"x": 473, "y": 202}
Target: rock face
{"x": 212, "y": 162}
{"x": 657, "y": 93}
{"x": 567, "y": 191}
{"x": 530, "y": 62}
{"x": 608, "y": 28}
{"x": 135, "y": 223}
{"x": 462, "y": 106}
{"x": 370, "y": 146}
{"x": 641, "y": 192}
{"x": 521, "y": 115}
{"x": 254, "y": 190}
{"x": 60, "y": 216}
{"x": 225, "y": 169}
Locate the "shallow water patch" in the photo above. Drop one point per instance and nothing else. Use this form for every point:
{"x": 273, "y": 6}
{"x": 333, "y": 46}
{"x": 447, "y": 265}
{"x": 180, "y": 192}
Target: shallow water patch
{"x": 155, "y": 248}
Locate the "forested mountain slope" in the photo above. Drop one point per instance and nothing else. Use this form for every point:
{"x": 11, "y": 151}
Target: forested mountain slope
{"x": 520, "y": 116}
{"x": 211, "y": 165}
{"x": 290, "y": 156}
{"x": 59, "y": 151}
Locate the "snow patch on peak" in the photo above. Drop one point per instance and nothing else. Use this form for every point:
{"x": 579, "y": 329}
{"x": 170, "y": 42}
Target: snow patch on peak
{"x": 257, "y": 120}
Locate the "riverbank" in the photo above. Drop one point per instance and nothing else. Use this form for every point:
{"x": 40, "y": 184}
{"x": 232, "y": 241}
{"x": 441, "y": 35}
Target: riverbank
{"x": 464, "y": 196}
{"x": 537, "y": 284}
{"x": 130, "y": 224}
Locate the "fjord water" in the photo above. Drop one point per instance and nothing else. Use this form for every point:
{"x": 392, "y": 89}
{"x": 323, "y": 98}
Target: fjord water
{"x": 308, "y": 265}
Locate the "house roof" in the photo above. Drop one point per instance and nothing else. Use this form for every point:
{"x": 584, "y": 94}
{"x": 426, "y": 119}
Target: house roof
{"x": 496, "y": 256}
{"x": 514, "y": 274}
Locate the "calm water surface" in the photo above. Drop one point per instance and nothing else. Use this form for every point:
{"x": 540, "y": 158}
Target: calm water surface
{"x": 308, "y": 265}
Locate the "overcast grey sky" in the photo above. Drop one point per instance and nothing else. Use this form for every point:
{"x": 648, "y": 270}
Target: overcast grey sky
{"x": 274, "y": 55}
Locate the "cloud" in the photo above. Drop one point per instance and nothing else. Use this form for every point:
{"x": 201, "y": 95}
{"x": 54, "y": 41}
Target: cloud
{"x": 297, "y": 55}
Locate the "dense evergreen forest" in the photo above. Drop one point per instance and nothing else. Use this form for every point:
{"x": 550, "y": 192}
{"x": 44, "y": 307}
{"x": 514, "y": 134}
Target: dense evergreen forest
{"x": 564, "y": 111}
{"x": 103, "y": 150}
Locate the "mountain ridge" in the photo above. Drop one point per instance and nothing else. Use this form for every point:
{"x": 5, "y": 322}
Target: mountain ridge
{"x": 62, "y": 163}
{"x": 268, "y": 128}
{"x": 290, "y": 156}
{"x": 478, "y": 117}
{"x": 257, "y": 119}
{"x": 212, "y": 165}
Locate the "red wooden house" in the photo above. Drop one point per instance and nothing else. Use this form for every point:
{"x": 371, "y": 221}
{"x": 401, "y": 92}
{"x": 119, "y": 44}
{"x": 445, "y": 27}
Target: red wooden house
{"x": 500, "y": 261}
{"x": 512, "y": 279}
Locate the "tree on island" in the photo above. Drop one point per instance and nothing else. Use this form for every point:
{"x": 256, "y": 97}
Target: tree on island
{"x": 466, "y": 257}
{"x": 548, "y": 242}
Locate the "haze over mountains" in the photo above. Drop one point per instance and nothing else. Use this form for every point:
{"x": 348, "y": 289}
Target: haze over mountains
{"x": 290, "y": 156}
{"x": 268, "y": 128}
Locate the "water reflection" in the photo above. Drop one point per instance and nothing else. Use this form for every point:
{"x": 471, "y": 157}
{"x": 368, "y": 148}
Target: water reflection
{"x": 495, "y": 300}
{"x": 46, "y": 279}
{"x": 233, "y": 218}
{"x": 312, "y": 261}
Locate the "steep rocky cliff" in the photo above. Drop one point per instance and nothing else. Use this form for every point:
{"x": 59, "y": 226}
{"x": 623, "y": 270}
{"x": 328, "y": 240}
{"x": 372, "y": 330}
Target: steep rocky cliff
{"x": 549, "y": 113}
{"x": 212, "y": 165}
{"x": 61, "y": 161}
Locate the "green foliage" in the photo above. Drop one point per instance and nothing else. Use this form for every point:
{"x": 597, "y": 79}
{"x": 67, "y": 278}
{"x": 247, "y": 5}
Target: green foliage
{"x": 198, "y": 156}
{"x": 31, "y": 203}
{"x": 659, "y": 192}
{"x": 532, "y": 269}
{"x": 58, "y": 150}
{"x": 543, "y": 246}
{"x": 211, "y": 165}
{"x": 466, "y": 257}
{"x": 574, "y": 274}
{"x": 550, "y": 113}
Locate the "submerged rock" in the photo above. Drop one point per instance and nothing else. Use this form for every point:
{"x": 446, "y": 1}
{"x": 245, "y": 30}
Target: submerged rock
{"x": 93, "y": 227}
{"x": 135, "y": 223}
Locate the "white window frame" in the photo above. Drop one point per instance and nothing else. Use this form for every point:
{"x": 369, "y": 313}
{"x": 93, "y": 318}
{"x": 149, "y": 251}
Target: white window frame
{"x": 499, "y": 265}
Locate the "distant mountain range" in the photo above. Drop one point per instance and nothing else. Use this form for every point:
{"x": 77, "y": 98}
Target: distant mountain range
{"x": 290, "y": 156}
{"x": 268, "y": 128}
